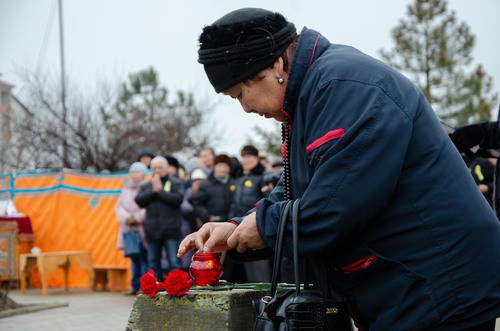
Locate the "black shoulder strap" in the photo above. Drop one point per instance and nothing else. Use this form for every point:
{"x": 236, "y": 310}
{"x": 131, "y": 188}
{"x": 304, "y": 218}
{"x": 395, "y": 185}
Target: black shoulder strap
{"x": 278, "y": 251}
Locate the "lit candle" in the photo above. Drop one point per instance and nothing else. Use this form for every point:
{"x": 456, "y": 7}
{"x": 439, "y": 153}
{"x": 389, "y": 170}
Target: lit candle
{"x": 205, "y": 269}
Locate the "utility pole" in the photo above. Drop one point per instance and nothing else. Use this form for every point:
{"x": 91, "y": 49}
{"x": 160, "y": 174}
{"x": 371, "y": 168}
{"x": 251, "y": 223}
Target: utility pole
{"x": 63, "y": 90}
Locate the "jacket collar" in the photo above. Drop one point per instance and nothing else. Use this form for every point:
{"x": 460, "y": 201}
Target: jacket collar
{"x": 310, "y": 46}
{"x": 214, "y": 178}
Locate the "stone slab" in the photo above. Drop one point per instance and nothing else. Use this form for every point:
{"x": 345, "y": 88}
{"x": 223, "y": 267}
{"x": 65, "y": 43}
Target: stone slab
{"x": 197, "y": 310}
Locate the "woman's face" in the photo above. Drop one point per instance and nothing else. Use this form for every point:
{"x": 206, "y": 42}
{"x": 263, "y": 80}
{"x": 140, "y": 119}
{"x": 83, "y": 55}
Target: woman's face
{"x": 222, "y": 170}
{"x": 136, "y": 177}
{"x": 263, "y": 96}
{"x": 207, "y": 157}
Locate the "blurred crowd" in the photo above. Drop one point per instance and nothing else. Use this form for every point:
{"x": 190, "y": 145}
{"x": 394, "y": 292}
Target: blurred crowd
{"x": 164, "y": 200}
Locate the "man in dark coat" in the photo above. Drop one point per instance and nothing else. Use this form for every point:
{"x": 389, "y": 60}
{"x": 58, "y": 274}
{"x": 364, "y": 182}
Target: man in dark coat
{"x": 162, "y": 198}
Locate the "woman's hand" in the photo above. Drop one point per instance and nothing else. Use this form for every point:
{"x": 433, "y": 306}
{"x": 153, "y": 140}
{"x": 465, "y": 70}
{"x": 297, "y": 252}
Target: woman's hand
{"x": 246, "y": 235}
{"x": 211, "y": 237}
{"x": 131, "y": 221}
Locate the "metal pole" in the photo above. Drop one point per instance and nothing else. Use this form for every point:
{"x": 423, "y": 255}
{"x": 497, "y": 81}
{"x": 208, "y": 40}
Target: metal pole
{"x": 63, "y": 89}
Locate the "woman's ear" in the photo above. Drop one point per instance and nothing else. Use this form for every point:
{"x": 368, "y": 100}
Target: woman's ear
{"x": 279, "y": 68}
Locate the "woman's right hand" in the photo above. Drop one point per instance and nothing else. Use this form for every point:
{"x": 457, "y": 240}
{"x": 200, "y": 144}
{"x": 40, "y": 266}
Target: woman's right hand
{"x": 131, "y": 221}
{"x": 211, "y": 237}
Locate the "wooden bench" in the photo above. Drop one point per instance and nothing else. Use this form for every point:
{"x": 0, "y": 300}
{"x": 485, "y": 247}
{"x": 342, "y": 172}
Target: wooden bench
{"x": 114, "y": 276}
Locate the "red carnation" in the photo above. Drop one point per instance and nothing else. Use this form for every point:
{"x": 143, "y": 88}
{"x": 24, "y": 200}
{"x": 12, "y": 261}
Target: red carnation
{"x": 178, "y": 283}
{"x": 149, "y": 283}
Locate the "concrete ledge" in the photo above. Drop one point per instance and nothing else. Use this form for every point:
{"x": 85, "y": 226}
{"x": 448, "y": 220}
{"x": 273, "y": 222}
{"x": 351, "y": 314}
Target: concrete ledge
{"x": 197, "y": 310}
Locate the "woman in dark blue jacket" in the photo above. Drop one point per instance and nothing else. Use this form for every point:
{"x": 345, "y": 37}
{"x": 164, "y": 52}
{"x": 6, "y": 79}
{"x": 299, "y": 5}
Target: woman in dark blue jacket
{"x": 410, "y": 242}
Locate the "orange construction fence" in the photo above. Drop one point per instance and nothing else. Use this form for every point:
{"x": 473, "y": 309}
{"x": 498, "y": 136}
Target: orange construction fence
{"x": 70, "y": 211}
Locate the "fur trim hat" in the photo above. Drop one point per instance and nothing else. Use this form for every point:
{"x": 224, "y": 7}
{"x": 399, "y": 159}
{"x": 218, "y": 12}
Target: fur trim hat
{"x": 223, "y": 158}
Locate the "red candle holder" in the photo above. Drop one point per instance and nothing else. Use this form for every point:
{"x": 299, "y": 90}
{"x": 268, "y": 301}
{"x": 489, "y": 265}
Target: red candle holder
{"x": 205, "y": 269}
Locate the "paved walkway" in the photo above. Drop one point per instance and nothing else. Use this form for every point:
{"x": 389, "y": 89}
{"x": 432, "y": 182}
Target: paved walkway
{"x": 97, "y": 311}
{"x": 104, "y": 311}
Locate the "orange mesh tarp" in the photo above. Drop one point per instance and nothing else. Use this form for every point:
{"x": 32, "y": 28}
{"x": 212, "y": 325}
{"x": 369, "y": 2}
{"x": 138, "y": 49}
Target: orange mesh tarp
{"x": 72, "y": 211}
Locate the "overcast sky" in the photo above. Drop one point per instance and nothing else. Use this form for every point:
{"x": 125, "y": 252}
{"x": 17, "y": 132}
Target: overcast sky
{"x": 108, "y": 39}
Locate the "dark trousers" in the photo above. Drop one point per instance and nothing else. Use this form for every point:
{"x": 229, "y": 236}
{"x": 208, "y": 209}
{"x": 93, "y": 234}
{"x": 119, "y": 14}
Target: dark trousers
{"x": 154, "y": 256}
{"x": 139, "y": 267}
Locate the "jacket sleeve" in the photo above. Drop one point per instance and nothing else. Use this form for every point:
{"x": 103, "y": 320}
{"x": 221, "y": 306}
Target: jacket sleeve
{"x": 186, "y": 209}
{"x": 121, "y": 212}
{"x": 485, "y": 134}
{"x": 491, "y": 138}
{"x": 145, "y": 195}
{"x": 140, "y": 215}
{"x": 275, "y": 198}
{"x": 355, "y": 175}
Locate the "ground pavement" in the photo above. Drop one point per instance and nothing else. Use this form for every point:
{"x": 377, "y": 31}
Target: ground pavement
{"x": 98, "y": 311}
{"x": 86, "y": 311}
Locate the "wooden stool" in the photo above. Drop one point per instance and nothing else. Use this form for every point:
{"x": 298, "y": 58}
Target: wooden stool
{"x": 115, "y": 276}
{"x": 50, "y": 261}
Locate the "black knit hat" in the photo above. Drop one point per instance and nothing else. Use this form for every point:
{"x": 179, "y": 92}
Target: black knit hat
{"x": 145, "y": 151}
{"x": 242, "y": 43}
{"x": 172, "y": 160}
{"x": 249, "y": 150}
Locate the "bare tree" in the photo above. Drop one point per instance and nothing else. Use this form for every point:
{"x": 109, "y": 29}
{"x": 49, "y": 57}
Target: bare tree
{"x": 104, "y": 134}
{"x": 145, "y": 114}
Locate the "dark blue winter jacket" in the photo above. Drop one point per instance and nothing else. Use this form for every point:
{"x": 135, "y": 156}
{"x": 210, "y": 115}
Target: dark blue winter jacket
{"x": 410, "y": 241}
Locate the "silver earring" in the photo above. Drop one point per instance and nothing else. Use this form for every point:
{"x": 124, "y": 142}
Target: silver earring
{"x": 281, "y": 80}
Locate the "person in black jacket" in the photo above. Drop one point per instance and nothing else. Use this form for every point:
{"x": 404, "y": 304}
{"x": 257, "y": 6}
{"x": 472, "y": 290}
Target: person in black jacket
{"x": 162, "y": 198}
{"x": 249, "y": 186}
{"x": 477, "y": 141}
{"x": 249, "y": 190}
{"x": 485, "y": 135}
{"x": 483, "y": 171}
{"x": 212, "y": 201}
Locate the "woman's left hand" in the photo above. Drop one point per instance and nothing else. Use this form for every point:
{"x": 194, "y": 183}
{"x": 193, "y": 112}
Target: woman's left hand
{"x": 246, "y": 235}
